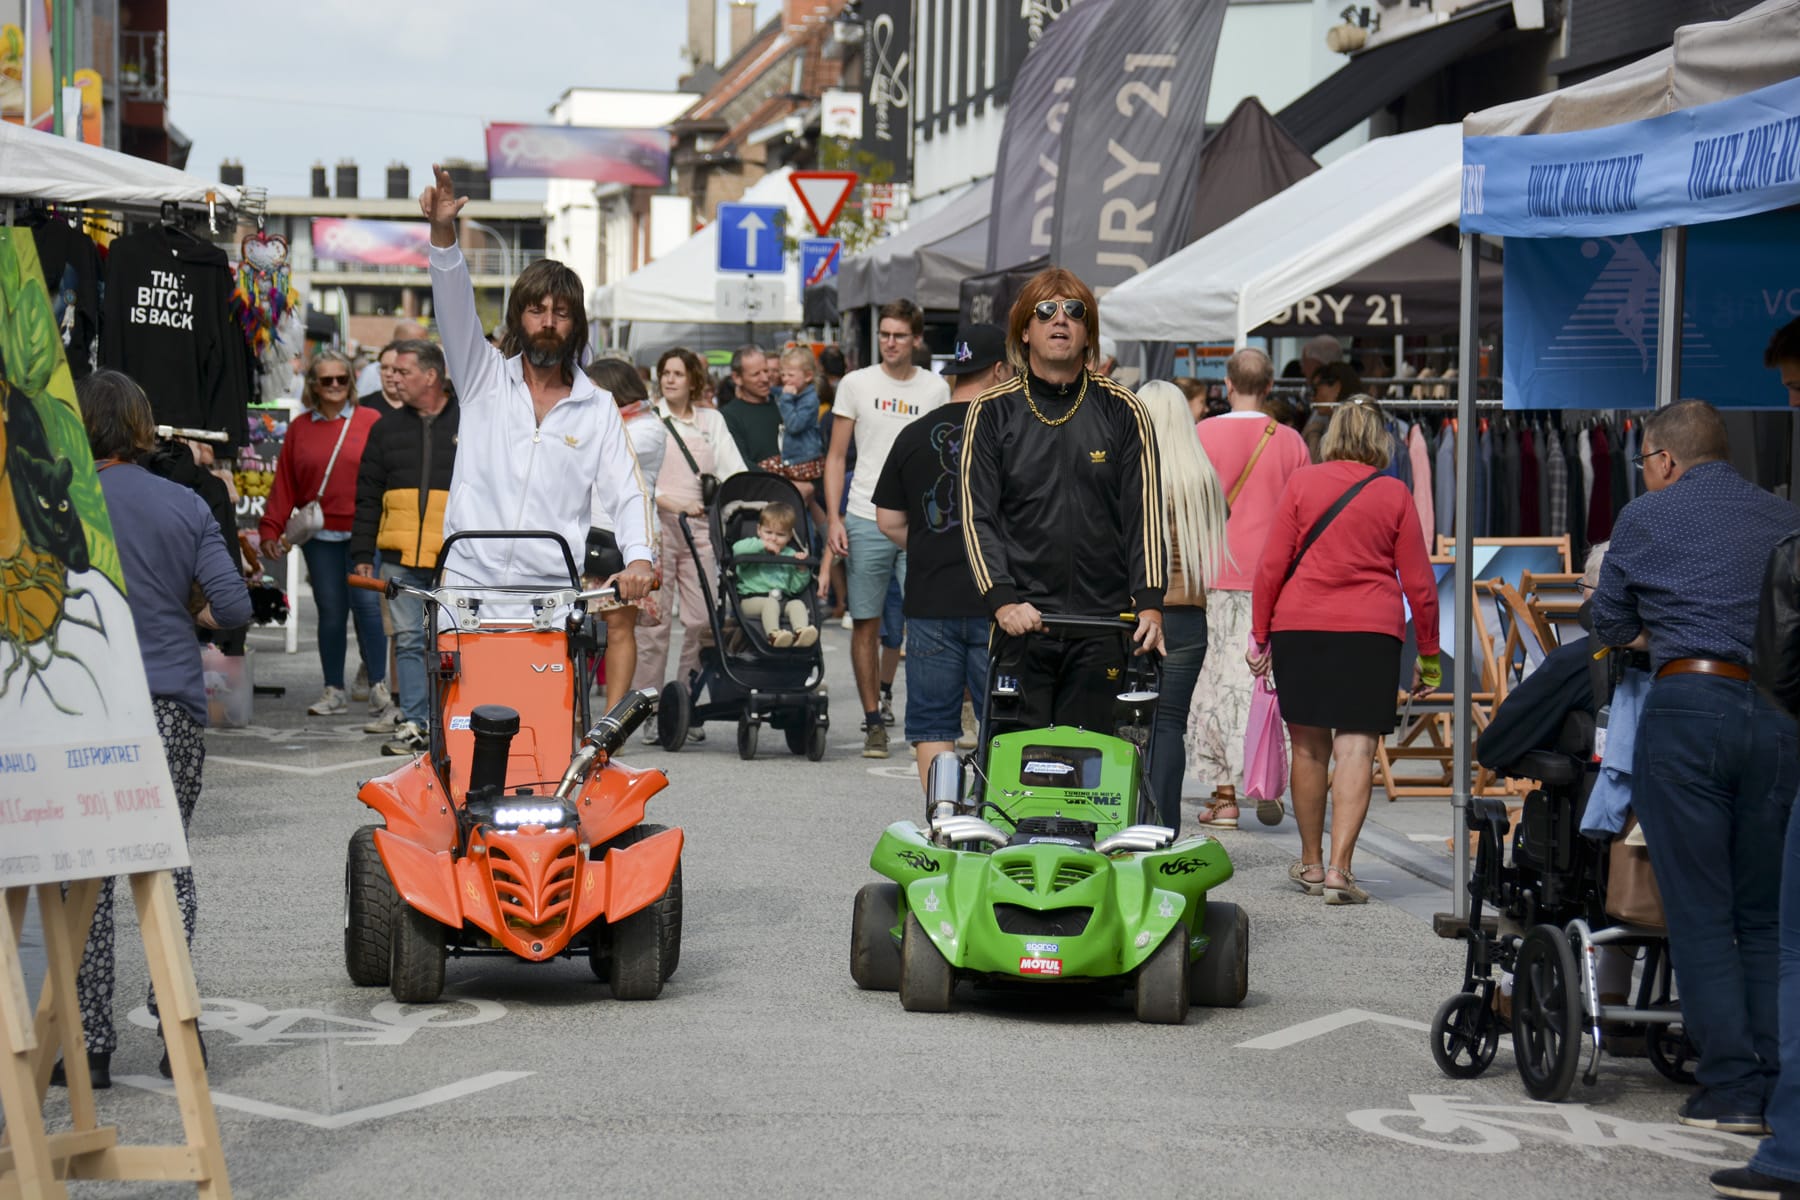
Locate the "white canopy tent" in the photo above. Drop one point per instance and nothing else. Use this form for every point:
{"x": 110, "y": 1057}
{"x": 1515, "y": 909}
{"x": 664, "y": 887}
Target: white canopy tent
{"x": 680, "y": 287}
{"x": 1323, "y": 229}
{"x": 41, "y": 166}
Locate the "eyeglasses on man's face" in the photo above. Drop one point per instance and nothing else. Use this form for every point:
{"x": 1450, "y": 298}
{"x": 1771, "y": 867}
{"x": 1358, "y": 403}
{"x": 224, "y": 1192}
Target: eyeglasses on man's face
{"x": 1075, "y": 310}
{"x": 1646, "y": 456}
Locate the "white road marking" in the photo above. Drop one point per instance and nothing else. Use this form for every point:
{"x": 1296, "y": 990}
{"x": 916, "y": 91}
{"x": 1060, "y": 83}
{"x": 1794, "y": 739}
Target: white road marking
{"x": 1447, "y": 1122}
{"x": 1293, "y": 1035}
{"x": 343, "y": 1120}
{"x": 1427, "y": 837}
{"x": 895, "y": 772}
{"x": 388, "y": 1024}
{"x": 330, "y": 768}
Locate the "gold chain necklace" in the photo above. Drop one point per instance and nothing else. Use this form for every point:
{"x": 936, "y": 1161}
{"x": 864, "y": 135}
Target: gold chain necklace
{"x": 1073, "y": 409}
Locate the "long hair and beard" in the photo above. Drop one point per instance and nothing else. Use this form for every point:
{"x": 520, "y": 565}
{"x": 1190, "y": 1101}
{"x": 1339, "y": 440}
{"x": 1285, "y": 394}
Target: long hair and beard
{"x": 546, "y": 350}
{"x": 546, "y": 280}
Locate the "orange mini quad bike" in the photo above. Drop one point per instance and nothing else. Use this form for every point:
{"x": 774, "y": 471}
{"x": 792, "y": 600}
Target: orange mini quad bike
{"x": 516, "y": 833}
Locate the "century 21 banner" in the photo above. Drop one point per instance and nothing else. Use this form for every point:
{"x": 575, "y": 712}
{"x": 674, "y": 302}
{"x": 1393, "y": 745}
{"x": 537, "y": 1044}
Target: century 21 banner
{"x": 636, "y": 157}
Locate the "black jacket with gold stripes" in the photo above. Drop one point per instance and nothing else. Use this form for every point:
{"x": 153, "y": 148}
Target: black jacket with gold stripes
{"x": 1062, "y": 498}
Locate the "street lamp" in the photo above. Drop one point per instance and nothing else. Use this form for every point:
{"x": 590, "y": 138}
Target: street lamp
{"x": 506, "y": 262}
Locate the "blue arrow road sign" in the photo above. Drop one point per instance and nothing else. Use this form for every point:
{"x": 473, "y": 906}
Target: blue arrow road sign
{"x": 819, "y": 258}
{"x": 750, "y": 238}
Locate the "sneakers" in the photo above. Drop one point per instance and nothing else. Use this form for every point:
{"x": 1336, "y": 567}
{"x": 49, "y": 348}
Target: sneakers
{"x": 807, "y": 636}
{"x": 410, "y": 738}
{"x": 875, "y": 741}
{"x": 887, "y": 707}
{"x": 651, "y": 736}
{"x": 386, "y": 721}
{"x": 380, "y": 698}
{"x": 99, "y": 1071}
{"x": 1750, "y": 1184}
{"x": 696, "y": 734}
{"x": 330, "y": 704}
{"x": 359, "y": 687}
{"x": 1703, "y": 1110}
{"x": 971, "y": 729}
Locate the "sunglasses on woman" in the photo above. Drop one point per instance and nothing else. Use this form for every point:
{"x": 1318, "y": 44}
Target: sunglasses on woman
{"x": 1074, "y": 309}
{"x": 325, "y": 381}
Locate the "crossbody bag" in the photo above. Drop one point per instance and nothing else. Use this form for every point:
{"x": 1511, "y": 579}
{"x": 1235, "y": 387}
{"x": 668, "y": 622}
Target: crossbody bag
{"x": 309, "y": 518}
{"x": 1244, "y": 475}
{"x": 1324, "y": 522}
{"x": 709, "y": 484}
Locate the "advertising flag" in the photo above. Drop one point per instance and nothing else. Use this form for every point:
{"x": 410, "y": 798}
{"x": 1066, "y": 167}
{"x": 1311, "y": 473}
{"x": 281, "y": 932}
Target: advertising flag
{"x": 1125, "y": 183}
{"x": 888, "y": 85}
{"x": 638, "y": 157}
{"x": 375, "y": 243}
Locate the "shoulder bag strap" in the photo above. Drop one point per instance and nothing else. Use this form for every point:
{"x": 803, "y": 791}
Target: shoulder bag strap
{"x": 685, "y": 452}
{"x": 1244, "y": 476}
{"x": 349, "y": 416}
{"x": 1325, "y": 521}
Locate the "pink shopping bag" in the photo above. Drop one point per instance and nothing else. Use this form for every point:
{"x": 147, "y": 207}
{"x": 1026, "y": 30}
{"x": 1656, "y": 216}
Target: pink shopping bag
{"x": 1265, "y": 754}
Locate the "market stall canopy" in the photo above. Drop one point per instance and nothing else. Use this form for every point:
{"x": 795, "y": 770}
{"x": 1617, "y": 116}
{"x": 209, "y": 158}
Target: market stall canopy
{"x": 892, "y": 270}
{"x": 682, "y": 286}
{"x": 1712, "y": 61}
{"x": 1322, "y": 230}
{"x": 41, "y": 166}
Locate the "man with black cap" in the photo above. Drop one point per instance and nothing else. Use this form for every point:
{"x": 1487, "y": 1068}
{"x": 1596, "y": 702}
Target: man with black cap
{"x": 917, "y": 505}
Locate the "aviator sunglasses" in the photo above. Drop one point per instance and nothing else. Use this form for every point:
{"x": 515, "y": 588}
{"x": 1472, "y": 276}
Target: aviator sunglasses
{"x": 1046, "y": 309}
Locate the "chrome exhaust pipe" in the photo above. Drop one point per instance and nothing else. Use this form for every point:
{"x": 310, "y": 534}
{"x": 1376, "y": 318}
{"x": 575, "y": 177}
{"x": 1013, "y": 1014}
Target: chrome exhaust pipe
{"x": 1138, "y": 839}
{"x": 952, "y": 830}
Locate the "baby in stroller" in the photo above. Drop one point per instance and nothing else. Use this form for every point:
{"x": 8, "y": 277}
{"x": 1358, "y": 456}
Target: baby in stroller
{"x": 766, "y": 591}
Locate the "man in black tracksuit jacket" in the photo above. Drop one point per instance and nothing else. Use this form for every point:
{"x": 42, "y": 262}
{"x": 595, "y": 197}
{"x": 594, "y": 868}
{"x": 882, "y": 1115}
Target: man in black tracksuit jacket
{"x": 1063, "y": 509}
{"x": 402, "y": 489}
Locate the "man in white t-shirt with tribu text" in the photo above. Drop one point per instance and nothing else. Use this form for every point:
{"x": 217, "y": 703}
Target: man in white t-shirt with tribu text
{"x": 873, "y": 405}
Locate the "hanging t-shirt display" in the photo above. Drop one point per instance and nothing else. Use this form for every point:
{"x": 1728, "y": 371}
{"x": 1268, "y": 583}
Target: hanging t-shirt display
{"x": 72, "y": 272}
{"x": 169, "y": 326}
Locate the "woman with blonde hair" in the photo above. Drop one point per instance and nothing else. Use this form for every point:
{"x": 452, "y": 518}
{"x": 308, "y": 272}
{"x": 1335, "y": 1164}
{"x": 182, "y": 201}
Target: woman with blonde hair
{"x": 1326, "y": 617}
{"x": 1195, "y": 504}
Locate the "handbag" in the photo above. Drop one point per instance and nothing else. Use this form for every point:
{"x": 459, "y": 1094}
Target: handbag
{"x": 709, "y": 484}
{"x": 309, "y": 518}
{"x": 1631, "y": 892}
{"x": 1324, "y": 522}
{"x": 1265, "y": 754}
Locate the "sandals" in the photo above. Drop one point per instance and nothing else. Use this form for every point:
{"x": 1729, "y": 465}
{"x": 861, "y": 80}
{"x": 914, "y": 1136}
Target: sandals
{"x": 1211, "y": 811}
{"x": 1312, "y": 887}
{"x": 1270, "y": 812}
{"x": 1346, "y": 891}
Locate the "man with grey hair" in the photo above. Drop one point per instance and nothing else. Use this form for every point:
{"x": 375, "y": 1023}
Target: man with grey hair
{"x": 1254, "y": 455}
{"x": 1319, "y": 352}
{"x": 754, "y": 419}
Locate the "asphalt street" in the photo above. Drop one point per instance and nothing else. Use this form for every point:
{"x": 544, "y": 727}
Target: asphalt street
{"x": 763, "y": 1071}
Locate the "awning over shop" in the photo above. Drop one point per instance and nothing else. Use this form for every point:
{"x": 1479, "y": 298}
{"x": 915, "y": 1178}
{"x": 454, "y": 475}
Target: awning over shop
{"x": 892, "y": 270}
{"x": 1379, "y": 76}
{"x": 682, "y": 285}
{"x": 41, "y": 166}
{"x": 1322, "y": 230}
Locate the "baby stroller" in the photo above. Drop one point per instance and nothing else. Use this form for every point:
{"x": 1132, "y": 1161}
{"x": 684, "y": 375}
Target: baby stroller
{"x": 1549, "y": 896}
{"x": 742, "y": 676}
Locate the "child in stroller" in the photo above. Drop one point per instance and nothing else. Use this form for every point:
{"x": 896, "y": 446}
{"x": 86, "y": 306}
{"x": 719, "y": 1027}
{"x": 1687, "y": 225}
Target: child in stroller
{"x": 766, "y": 591}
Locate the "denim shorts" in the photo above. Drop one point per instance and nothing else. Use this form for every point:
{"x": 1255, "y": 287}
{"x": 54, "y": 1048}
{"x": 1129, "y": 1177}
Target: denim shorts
{"x": 944, "y": 655}
{"x": 874, "y": 560}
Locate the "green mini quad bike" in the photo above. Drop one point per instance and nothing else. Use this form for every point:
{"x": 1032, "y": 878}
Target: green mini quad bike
{"x": 1038, "y": 864}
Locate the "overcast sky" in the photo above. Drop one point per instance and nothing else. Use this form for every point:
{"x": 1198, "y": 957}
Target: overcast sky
{"x": 331, "y": 79}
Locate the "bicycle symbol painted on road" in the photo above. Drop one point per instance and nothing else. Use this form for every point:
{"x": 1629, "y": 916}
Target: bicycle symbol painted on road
{"x": 388, "y": 1024}
{"x": 1460, "y": 1126}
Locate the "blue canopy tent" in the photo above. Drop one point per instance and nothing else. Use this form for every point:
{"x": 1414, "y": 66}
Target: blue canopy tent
{"x": 1706, "y": 133}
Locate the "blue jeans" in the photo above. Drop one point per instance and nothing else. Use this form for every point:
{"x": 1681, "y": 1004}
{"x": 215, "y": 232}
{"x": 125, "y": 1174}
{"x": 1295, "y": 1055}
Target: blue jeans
{"x": 1714, "y": 777}
{"x": 1184, "y": 651}
{"x": 1779, "y": 1155}
{"x": 893, "y": 618}
{"x": 944, "y": 656}
{"x": 408, "y": 612}
{"x": 328, "y": 566}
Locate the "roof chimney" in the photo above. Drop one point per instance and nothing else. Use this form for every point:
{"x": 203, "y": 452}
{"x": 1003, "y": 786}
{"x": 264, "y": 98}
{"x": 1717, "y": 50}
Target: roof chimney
{"x": 231, "y": 173}
{"x": 743, "y": 25}
{"x": 399, "y": 182}
{"x": 346, "y": 179}
{"x": 320, "y": 187}
{"x": 703, "y": 33}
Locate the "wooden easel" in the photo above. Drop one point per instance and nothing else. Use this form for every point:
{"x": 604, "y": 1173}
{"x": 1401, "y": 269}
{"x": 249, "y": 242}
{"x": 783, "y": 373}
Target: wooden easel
{"x": 34, "y": 1162}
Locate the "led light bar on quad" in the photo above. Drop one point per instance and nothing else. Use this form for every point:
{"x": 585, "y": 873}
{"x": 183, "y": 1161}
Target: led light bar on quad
{"x": 530, "y": 814}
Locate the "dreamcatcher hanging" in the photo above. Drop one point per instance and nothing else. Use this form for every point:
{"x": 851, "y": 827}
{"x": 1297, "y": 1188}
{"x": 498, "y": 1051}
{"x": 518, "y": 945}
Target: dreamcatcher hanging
{"x": 266, "y": 305}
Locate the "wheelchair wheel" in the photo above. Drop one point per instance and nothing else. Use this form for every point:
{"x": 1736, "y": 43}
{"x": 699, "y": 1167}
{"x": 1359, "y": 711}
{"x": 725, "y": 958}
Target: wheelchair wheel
{"x": 1671, "y": 1052}
{"x": 1464, "y": 1035}
{"x": 1546, "y": 1013}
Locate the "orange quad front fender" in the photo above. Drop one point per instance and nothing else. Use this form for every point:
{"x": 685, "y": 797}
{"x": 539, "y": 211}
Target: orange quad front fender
{"x": 613, "y": 800}
{"x": 629, "y": 878}
{"x": 413, "y": 804}
{"x": 425, "y": 879}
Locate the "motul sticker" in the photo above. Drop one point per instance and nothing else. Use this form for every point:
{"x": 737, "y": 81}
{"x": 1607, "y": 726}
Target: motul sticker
{"x": 1040, "y": 966}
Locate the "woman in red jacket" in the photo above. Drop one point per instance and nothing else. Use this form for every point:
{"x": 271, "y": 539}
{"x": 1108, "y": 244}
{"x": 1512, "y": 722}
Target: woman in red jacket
{"x": 332, "y": 424}
{"x": 1326, "y": 616}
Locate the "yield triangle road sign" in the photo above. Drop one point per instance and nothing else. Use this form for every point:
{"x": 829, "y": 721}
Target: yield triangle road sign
{"x": 823, "y": 192}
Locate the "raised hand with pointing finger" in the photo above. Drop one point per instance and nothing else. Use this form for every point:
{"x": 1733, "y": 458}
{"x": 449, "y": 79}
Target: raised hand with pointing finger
{"x": 441, "y": 206}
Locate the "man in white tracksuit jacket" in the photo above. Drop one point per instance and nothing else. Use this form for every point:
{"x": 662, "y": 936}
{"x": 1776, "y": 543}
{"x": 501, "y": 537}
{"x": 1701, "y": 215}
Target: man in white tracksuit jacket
{"x": 539, "y": 446}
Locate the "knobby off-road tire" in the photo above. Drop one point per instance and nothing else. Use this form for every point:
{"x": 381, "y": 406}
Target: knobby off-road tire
{"x": 926, "y": 979}
{"x": 874, "y": 958}
{"x": 1221, "y": 979}
{"x": 416, "y": 965}
{"x": 1162, "y": 981}
{"x": 369, "y": 901}
{"x": 645, "y": 947}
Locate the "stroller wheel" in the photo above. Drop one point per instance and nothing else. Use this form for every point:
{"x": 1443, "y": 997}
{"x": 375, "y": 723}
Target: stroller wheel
{"x": 1546, "y": 1013}
{"x": 746, "y": 738}
{"x": 672, "y": 717}
{"x": 1464, "y": 1035}
{"x": 1671, "y": 1053}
